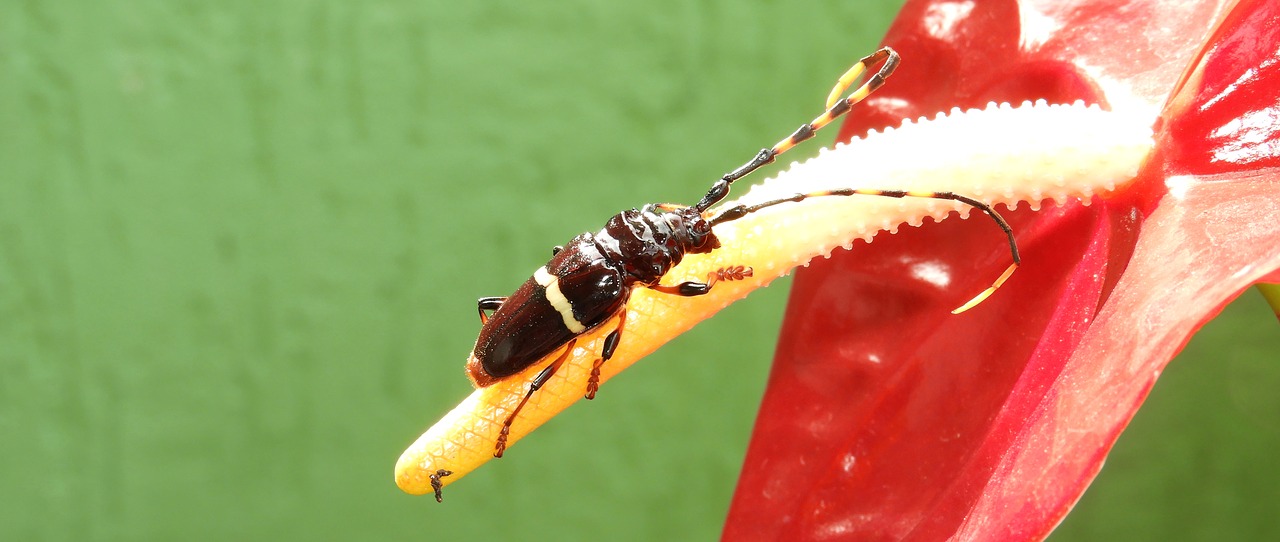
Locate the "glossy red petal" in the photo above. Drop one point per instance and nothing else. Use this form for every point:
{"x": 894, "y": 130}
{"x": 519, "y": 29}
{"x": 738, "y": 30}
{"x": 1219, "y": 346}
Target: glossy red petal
{"x": 886, "y": 417}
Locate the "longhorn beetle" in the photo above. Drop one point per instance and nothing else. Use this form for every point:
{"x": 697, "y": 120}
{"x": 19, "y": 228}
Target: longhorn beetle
{"x": 588, "y": 281}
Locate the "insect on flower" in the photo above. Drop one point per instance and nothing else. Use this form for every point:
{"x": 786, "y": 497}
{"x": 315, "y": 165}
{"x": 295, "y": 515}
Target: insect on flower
{"x": 588, "y": 281}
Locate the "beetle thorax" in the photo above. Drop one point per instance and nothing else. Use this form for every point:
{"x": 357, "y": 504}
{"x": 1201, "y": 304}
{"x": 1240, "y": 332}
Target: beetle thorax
{"x": 650, "y": 241}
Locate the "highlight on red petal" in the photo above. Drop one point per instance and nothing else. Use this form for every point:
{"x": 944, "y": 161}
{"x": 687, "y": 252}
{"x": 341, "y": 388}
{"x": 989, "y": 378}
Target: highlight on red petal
{"x": 1226, "y": 119}
{"x": 887, "y": 417}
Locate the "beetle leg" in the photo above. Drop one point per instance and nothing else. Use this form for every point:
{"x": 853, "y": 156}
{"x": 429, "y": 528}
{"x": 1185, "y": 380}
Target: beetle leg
{"x": 489, "y": 304}
{"x": 538, "y": 381}
{"x": 610, "y": 345}
{"x": 690, "y": 289}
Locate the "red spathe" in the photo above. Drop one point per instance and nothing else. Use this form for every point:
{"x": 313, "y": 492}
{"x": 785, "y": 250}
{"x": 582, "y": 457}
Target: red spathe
{"x": 888, "y": 418}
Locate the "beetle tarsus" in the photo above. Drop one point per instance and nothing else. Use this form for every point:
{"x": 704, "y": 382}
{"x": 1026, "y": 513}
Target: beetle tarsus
{"x": 737, "y": 272}
{"x": 593, "y": 383}
{"x": 436, "y": 484}
{"x": 500, "y": 445}
{"x": 610, "y": 346}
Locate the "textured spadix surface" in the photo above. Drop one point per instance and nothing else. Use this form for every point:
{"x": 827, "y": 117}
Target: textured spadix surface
{"x": 999, "y": 155}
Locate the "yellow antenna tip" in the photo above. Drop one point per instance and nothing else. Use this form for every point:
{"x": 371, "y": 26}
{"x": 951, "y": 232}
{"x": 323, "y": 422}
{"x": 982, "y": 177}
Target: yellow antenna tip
{"x": 844, "y": 83}
{"x": 986, "y": 293}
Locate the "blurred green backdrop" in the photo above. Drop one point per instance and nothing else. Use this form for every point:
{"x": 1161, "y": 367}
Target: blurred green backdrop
{"x": 241, "y": 244}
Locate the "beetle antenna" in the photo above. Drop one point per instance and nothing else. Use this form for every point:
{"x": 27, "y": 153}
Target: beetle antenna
{"x": 835, "y": 108}
{"x": 739, "y": 211}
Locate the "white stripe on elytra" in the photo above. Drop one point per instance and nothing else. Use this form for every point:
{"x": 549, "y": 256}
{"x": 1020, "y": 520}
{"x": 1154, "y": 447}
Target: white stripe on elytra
{"x": 552, "y": 286}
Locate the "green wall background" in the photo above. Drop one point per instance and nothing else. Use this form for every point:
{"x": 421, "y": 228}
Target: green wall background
{"x": 241, "y": 243}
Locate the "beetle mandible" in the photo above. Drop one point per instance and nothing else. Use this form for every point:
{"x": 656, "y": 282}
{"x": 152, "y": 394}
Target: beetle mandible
{"x": 588, "y": 281}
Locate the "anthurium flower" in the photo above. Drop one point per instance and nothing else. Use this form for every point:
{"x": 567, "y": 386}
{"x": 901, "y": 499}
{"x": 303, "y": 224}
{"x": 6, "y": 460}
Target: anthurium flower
{"x": 886, "y": 417}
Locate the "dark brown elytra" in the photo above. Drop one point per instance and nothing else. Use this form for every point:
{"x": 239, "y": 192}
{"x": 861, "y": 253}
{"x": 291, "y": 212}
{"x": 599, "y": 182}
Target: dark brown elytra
{"x": 589, "y": 280}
